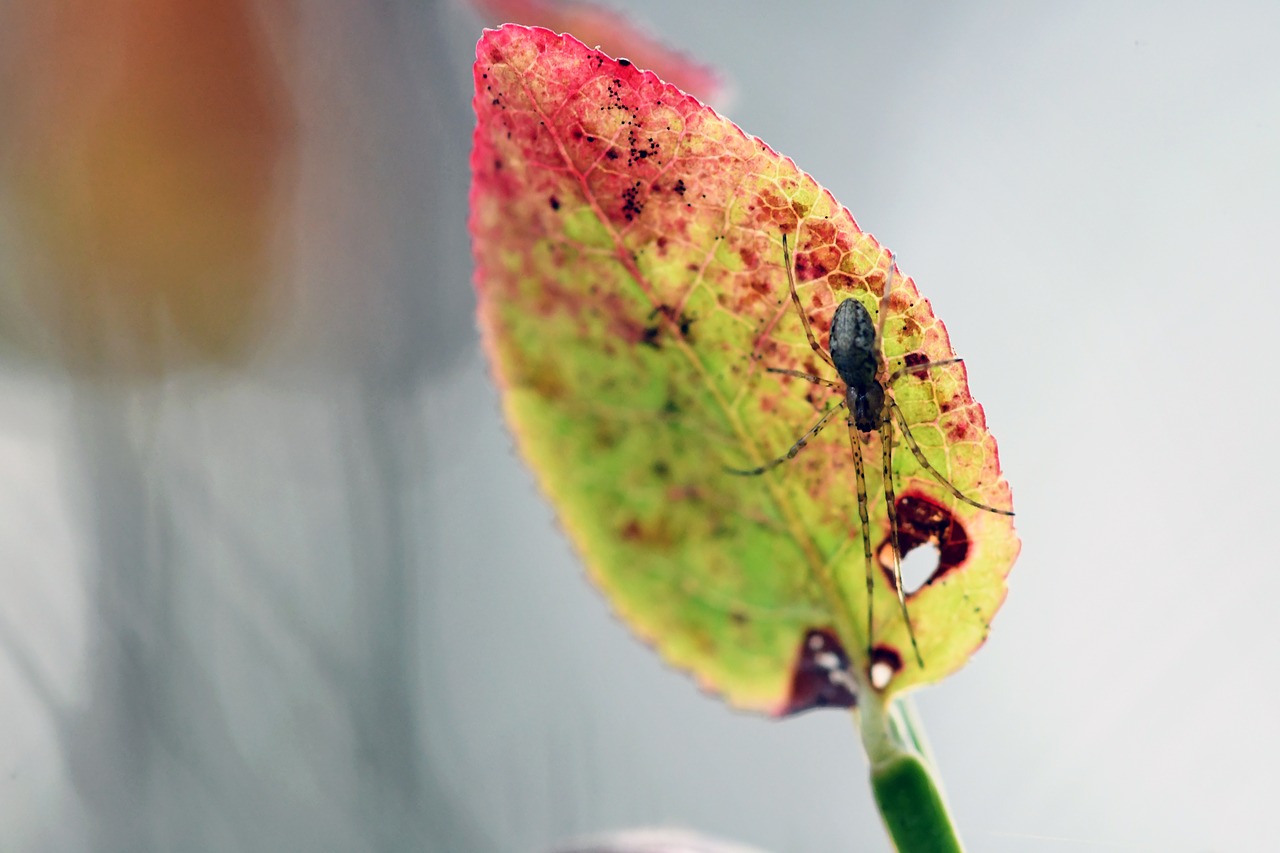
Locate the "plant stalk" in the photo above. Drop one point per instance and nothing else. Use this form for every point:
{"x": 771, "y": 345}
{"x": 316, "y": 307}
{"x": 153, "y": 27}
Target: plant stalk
{"x": 906, "y": 788}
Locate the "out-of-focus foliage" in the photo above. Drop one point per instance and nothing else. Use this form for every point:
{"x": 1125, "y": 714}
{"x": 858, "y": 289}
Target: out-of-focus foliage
{"x": 147, "y": 156}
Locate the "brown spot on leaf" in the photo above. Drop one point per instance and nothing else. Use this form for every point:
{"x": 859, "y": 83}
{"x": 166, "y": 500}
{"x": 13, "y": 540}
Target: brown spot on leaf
{"x": 818, "y": 262}
{"x": 887, "y": 656}
{"x": 840, "y": 281}
{"x": 915, "y": 359}
{"x": 772, "y": 198}
{"x": 605, "y": 435}
{"x": 820, "y": 231}
{"x": 960, "y": 429}
{"x": 909, "y": 331}
{"x": 686, "y": 493}
{"x": 820, "y": 678}
{"x": 809, "y": 267}
{"x": 921, "y": 521}
{"x": 654, "y": 535}
{"x": 785, "y": 221}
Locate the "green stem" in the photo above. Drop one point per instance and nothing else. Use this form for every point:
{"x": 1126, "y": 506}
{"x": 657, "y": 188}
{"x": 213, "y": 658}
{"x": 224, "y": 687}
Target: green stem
{"x": 909, "y": 796}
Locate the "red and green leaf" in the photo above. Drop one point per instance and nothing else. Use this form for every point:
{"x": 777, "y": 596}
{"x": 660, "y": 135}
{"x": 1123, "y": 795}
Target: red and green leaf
{"x": 632, "y": 294}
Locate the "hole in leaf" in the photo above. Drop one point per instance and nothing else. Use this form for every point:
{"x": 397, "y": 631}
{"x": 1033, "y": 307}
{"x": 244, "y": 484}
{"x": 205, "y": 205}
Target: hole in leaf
{"x": 922, "y": 522}
{"x": 918, "y": 565}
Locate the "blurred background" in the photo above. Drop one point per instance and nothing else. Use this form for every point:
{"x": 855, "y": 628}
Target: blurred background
{"x": 275, "y": 580}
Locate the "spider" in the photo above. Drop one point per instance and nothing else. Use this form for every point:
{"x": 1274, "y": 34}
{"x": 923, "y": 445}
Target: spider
{"x": 855, "y": 352}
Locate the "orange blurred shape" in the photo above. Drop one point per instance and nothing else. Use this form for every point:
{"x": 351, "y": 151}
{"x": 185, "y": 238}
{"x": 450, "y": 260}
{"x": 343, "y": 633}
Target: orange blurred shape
{"x": 149, "y": 148}
{"x": 595, "y": 26}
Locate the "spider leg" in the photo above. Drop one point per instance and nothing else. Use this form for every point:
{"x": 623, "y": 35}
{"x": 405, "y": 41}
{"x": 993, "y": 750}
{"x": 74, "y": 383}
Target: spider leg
{"x": 795, "y": 298}
{"x": 795, "y": 448}
{"x": 928, "y": 365}
{"x": 890, "y": 500}
{"x": 860, "y": 484}
{"x": 883, "y": 310}
{"x": 925, "y": 464}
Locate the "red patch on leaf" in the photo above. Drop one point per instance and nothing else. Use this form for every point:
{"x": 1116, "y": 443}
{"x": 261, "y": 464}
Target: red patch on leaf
{"x": 615, "y": 35}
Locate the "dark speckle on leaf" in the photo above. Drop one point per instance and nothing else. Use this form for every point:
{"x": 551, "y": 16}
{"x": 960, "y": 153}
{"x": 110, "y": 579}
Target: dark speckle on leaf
{"x": 652, "y": 335}
{"x": 820, "y": 677}
{"x": 631, "y": 204}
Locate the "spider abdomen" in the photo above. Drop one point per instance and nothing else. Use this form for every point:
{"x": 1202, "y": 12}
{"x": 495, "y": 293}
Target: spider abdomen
{"x": 856, "y": 358}
{"x": 853, "y": 344}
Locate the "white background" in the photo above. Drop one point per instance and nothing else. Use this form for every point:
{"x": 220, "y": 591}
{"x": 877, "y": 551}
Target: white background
{"x": 319, "y": 604}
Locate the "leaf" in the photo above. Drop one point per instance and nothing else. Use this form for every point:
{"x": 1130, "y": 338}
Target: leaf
{"x": 631, "y": 296}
